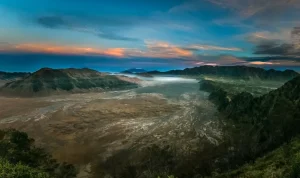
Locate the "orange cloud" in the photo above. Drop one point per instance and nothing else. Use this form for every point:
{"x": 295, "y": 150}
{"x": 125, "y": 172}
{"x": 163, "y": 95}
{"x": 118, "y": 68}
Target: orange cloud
{"x": 160, "y": 50}
{"x": 56, "y": 49}
{"x": 262, "y": 63}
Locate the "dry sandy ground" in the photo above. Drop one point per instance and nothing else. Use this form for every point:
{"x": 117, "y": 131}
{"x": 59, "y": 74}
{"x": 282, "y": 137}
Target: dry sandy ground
{"x": 83, "y": 128}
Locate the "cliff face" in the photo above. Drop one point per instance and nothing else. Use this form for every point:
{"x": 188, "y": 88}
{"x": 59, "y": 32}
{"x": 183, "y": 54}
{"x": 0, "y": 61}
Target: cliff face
{"x": 48, "y": 81}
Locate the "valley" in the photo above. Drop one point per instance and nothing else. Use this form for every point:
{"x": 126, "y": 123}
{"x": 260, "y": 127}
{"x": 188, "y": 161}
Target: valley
{"x": 171, "y": 113}
{"x": 84, "y": 128}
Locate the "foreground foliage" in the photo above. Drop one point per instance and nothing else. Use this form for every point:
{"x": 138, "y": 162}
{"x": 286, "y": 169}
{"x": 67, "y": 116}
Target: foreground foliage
{"x": 282, "y": 162}
{"x": 20, "y": 158}
{"x": 8, "y": 170}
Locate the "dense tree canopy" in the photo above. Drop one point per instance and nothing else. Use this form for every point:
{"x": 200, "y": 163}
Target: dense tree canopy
{"x": 19, "y": 158}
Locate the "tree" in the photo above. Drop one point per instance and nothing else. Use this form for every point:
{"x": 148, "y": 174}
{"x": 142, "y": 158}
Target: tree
{"x": 18, "y": 154}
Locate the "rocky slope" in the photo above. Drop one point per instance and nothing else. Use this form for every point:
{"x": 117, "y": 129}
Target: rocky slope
{"x": 55, "y": 81}
{"x": 275, "y": 115}
{"x": 257, "y": 125}
{"x": 244, "y": 72}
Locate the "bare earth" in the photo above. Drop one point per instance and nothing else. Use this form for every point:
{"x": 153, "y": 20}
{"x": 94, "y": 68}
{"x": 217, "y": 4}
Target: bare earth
{"x": 83, "y": 128}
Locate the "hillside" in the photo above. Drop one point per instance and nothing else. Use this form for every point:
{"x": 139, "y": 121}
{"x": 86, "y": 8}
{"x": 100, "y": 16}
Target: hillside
{"x": 256, "y": 125}
{"x": 282, "y": 162}
{"x": 55, "y": 81}
{"x": 243, "y": 72}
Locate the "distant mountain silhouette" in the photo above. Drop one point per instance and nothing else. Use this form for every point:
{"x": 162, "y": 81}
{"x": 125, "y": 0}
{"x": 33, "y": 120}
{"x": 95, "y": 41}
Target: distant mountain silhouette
{"x": 12, "y": 75}
{"x": 244, "y": 72}
{"x": 134, "y": 71}
{"x": 54, "y": 81}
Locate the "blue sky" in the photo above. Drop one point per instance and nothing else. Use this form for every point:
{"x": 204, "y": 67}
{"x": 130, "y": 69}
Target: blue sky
{"x": 153, "y": 34}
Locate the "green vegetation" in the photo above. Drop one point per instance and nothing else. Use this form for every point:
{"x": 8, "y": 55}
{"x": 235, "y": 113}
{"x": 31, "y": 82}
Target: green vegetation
{"x": 8, "y": 170}
{"x": 283, "y": 162}
{"x": 19, "y": 158}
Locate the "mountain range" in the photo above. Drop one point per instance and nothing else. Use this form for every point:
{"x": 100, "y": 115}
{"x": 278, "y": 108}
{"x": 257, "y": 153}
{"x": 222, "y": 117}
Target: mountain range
{"x": 13, "y": 75}
{"x": 244, "y": 72}
{"x": 134, "y": 71}
{"x": 54, "y": 81}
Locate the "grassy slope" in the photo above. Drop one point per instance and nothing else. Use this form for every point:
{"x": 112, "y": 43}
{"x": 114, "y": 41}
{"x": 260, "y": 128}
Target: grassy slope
{"x": 280, "y": 163}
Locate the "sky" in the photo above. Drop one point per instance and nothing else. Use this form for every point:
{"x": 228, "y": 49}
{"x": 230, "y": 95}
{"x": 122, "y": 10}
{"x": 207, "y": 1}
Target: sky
{"x": 152, "y": 34}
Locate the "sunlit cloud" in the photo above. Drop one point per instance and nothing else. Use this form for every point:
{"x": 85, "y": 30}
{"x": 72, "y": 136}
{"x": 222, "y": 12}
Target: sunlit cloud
{"x": 262, "y": 63}
{"x": 283, "y": 35}
{"x": 57, "y": 49}
{"x": 287, "y": 63}
{"x": 157, "y": 49}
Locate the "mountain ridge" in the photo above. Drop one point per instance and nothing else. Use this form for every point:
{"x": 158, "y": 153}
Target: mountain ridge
{"x": 134, "y": 71}
{"x": 12, "y": 75}
{"x": 244, "y": 72}
{"x": 48, "y": 81}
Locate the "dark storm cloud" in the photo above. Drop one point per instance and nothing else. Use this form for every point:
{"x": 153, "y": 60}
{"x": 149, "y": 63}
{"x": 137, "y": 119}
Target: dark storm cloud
{"x": 273, "y": 48}
{"x": 296, "y": 34}
{"x": 296, "y": 31}
{"x": 52, "y": 21}
{"x": 272, "y": 58}
{"x": 91, "y": 25}
{"x": 267, "y": 46}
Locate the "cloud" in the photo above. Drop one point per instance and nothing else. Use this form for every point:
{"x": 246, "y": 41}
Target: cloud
{"x": 261, "y": 63}
{"x": 79, "y": 25}
{"x": 273, "y": 48}
{"x": 191, "y": 5}
{"x": 158, "y": 49}
{"x": 214, "y": 48}
{"x": 282, "y": 63}
{"x": 250, "y": 8}
{"x": 251, "y": 14}
{"x": 283, "y": 43}
{"x": 229, "y": 60}
{"x": 112, "y": 36}
{"x": 152, "y": 49}
{"x": 218, "y": 60}
{"x": 295, "y": 33}
{"x": 58, "y": 49}
{"x": 52, "y": 22}
{"x": 283, "y": 35}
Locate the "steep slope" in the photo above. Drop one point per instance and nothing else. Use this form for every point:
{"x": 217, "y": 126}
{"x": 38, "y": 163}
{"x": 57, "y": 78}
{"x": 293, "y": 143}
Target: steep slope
{"x": 243, "y": 72}
{"x": 54, "y": 81}
{"x": 282, "y": 162}
{"x": 257, "y": 125}
{"x": 279, "y": 110}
